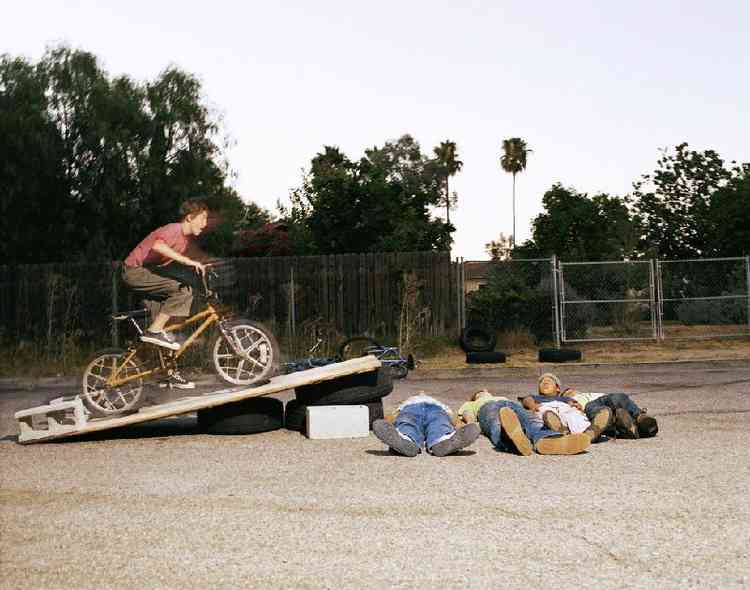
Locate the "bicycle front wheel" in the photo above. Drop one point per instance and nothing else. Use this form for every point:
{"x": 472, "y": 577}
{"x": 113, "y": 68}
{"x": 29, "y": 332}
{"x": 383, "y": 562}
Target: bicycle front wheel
{"x": 103, "y": 400}
{"x": 356, "y": 347}
{"x": 259, "y": 353}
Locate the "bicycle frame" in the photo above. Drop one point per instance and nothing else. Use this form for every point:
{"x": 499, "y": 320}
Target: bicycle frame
{"x": 209, "y": 315}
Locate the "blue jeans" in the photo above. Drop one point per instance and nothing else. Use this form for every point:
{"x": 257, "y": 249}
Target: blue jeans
{"x": 613, "y": 401}
{"x": 489, "y": 421}
{"x": 424, "y": 423}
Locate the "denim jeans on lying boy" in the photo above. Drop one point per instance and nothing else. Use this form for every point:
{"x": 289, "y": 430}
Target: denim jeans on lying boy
{"x": 422, "y": 421}
{"x": 512, "y": 429}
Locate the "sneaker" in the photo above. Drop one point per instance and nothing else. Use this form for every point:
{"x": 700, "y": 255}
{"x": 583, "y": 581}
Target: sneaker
{"x": 553, "y": 422}
{"x": 177, "y": 381}
{"x": 160, "y": 339}
{"x": 624, "y": 424}
{"x": 647, "y": 426}
{"x": 390, "y": 436}
{"x": 513, "y": 431}
{"x": 571, "y": 444}
{"x": 461, "y": 439}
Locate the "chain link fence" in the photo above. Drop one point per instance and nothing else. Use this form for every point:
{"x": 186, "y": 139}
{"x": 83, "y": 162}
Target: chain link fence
{"x": 704, "y": 298}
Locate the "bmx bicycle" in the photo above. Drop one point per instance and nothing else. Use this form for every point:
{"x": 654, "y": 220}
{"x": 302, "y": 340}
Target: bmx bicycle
{"x": 389, "y": 356}
{"x": 243, "y": 352}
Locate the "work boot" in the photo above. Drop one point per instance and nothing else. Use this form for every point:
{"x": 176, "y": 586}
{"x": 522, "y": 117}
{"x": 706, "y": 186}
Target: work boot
{"x": 513, "y": 431}
{"x": 625, "y": 426}
{"x": 599, "y": 423}
{"x": 553, "y": 422}
{"x": 461, "y": 439}
{"x": 390, "y": 436}
{"x": 571, "y": 444}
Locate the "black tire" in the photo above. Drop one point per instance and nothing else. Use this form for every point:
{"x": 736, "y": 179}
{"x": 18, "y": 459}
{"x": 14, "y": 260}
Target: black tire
{"x": 356, "y": 347}
{"x": 249, "y": 416}
{"x": 485, "y": 357}
{"x": 350, "y": 389}
{"x": 474, "y": 339}
{"x": 558, "y": 355}
{"x": 295, "y": 415}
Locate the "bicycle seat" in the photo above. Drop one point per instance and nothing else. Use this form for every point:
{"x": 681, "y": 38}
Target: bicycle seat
{"x": 127, "y": 315}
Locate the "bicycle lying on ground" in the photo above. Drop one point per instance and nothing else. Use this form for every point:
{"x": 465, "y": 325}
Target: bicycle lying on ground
{"x": 309, "y": 362}
{"x": 243, "y": 352}
{"x": 389, "y": 356}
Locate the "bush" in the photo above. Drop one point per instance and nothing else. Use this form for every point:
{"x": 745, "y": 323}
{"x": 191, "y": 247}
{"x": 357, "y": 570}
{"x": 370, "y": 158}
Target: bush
{"x": 713, "y": 312}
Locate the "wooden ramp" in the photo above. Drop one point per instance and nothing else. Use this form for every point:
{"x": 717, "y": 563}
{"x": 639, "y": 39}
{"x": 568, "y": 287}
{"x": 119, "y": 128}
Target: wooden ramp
{"x": 69, "y": 418}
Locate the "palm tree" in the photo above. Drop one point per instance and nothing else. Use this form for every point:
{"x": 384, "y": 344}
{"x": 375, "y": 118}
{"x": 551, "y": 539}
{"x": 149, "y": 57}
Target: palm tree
{"x": 447, "y": 157}
{"x": 513, "y": 161}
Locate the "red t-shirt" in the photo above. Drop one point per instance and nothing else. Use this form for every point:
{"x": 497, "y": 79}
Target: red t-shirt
{"x": 171, "y": 234}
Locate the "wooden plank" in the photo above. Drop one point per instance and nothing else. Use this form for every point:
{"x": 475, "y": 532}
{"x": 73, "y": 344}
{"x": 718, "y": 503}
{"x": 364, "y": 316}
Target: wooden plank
{"x": 190, "y": 404}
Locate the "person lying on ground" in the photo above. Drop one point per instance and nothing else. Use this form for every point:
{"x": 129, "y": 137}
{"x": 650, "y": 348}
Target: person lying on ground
{"x": 512, "y": 429}
{"x": 565, "y": 418}
{"x": 629, "y": 420}
{"x": 422, "y": 421}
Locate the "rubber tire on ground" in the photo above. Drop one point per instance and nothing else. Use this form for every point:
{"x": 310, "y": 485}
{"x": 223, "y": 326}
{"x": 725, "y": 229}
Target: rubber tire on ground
{"x": 485, "y": 357}
{"x": 295, "y": 414}
{"x": 249, "y": 416}
{"x": 558, "y": 355}
{"x": 350, "y": 389}
{"x": 475, "y": 339}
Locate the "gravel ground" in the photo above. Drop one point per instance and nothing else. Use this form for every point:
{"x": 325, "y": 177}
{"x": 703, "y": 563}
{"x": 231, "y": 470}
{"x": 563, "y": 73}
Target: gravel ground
{"x": 160, "y": 506}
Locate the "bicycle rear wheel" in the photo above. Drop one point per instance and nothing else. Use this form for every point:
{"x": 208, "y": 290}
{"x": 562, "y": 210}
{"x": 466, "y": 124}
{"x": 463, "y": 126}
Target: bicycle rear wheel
{"x": 102, "y": 400}
{"x": 356, "y": 347}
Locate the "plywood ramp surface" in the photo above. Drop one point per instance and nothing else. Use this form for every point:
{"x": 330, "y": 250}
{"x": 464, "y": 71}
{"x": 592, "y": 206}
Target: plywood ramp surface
{"x": 188, "y": 404}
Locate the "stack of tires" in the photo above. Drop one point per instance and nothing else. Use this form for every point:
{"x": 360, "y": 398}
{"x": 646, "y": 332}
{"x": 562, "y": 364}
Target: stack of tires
{"x": 248, "y": 416}
{"x": 367, "y": 389}
{"x": 479, "y": 346}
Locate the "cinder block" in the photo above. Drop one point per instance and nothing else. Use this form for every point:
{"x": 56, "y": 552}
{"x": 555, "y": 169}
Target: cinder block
{"x": 337, "y": 421}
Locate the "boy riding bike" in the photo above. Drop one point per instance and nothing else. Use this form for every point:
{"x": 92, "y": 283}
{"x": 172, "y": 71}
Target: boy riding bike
{"x": 149, "y": 269}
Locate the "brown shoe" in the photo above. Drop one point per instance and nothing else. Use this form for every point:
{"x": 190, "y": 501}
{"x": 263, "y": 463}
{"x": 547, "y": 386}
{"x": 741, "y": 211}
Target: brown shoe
{"x": 553, "y": 422}
{"x": 602, "y": 419}
{"x": 571, "y": 444}
{"x": 513, "y": 431}
{"x": 624, "y": 425}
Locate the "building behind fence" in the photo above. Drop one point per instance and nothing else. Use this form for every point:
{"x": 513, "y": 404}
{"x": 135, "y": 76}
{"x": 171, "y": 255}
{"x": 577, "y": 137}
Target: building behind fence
{"x": 344, "y": 295}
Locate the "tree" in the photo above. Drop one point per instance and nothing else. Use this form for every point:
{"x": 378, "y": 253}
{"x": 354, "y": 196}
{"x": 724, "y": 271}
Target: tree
{"x": 729, "y": 216}
{"x": 447, "y": 158}
{"x": 379, "y": 204}
{"x": 578, "y": 228}
{"x": 673, "y": 203}
{"x": 90, "y": 164}
{"x": 513, "y": 161}
{"x": 501, "y": 249}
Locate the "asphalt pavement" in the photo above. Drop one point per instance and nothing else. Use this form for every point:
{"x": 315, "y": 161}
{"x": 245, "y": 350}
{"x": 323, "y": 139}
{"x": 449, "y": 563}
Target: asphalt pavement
{"x": 161, "y": 506}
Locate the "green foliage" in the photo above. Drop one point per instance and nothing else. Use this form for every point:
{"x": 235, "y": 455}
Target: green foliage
{"x": 713, "y": 313}
{"x": 516, "y": 297}
{"x": 90, "y": 164}
{"x": 576, "y": 227}
{"x": 446, "y": 157}
{"x": 379, "y": 204}
{"x": 729, "y": 216}
{"x": 673, "y": 203}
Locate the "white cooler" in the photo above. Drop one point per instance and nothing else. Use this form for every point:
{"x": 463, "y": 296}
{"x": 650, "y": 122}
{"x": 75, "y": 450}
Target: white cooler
{"x": 338, "y": 421}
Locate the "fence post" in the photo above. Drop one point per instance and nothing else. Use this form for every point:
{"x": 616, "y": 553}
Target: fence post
{"x": 555, "y": 309}
{"x": 747, "y": 277}
{"x": 655, "y": 316}
{"x": 115, "y": 266}
{"x": 659, "y": 301}
{"x": 292, "y": 323}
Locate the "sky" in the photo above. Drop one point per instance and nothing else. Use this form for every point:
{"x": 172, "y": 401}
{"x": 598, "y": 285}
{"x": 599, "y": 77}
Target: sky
{"x": 595, "y": 88}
